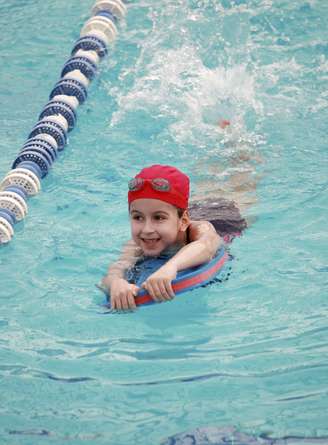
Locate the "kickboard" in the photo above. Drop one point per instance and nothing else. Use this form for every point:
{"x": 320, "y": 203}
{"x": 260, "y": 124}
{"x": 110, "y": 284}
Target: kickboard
{"x": 187, "y": 280}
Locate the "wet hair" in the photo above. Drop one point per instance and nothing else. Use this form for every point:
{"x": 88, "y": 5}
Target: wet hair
{"x": 222, "y": 213}
{"x": 180, "y": 212}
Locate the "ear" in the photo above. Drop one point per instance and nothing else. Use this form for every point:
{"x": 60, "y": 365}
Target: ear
{"x": 184, "y": 221}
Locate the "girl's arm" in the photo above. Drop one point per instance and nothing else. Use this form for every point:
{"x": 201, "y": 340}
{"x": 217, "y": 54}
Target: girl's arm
{"x": 129, "y": 256}
{"x": 202, "y": 248}
{"x": 122, "y": 292}
{"x": 204, "y": 243}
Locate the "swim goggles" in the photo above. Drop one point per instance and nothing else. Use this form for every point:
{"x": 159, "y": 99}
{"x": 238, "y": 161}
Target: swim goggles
{"x": 158, "y": 184}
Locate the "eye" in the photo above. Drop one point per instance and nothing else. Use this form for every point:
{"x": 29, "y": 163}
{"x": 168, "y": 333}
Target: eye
{"x": 137, "y": 217}
{"x": 159, "y": 217}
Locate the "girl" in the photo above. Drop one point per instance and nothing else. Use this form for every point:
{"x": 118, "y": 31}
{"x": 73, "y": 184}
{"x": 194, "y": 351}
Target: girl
{"x": 161, "y": 224}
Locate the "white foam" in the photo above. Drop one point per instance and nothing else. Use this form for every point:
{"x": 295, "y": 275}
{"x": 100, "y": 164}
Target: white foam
{"x": 193, "y": 98}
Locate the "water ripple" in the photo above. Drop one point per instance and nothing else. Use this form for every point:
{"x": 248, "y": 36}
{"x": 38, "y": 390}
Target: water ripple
{"x": 25, "y": 371}
{"x": 237, "y": 376}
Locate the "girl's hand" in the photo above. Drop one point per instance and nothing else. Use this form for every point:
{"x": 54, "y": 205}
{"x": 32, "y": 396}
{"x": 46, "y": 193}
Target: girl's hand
{"x": 122, "y": 295}
{"x": 159, "y": 283}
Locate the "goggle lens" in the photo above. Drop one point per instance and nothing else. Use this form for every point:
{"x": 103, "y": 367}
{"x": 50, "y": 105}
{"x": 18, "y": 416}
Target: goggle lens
{"x": 135, "y": 184}
{"x": 159, "y": 184}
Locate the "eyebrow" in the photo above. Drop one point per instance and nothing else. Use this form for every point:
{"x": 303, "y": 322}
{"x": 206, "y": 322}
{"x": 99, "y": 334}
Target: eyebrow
{"x": 161, "y": 212}
{"x": 157, "y": 212}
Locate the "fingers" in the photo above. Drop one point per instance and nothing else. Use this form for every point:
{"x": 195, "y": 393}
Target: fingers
{"x": 124, "y": 302}
{"x": 166, "y": 289}
{"x": 169, "y": 289}
{"x": 131, "y": 304}
{"x": 152, "y": 290}
{"x": 122, "y": 299}
{"x": 159, "y": 290}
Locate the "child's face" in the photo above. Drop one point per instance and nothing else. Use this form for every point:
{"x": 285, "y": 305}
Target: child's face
{"x": 155, "y": 225}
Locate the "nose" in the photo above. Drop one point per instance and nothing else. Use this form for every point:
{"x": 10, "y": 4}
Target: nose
{"x": 148, "y": 226}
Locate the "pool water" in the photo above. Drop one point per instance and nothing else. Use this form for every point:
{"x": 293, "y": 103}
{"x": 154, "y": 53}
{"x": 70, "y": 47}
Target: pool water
{"x": 250, "y": 352}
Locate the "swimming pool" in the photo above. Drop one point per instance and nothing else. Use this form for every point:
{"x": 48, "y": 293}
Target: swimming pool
{"x": 251, "y": 352}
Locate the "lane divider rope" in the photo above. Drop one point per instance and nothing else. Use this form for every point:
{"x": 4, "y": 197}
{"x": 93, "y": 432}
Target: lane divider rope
{"x": 49, "y": 136}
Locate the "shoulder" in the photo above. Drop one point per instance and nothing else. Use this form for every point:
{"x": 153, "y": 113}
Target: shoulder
{"x": 198, "y": 229}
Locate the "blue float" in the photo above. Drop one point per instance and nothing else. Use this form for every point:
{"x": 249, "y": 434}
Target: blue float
{"x": 38, "y": 149}
{"x": 36, "y": 158}
{"x": 108, "y": 15}
{"x": 62, "y": 108}
{"x": 44, "y": 145}
{"x": 35, "y": 140}
{"x": 91, "y": 43}
{"x": 53, "y": 129}
{"x": 8, "y": 216}
{"x": 30, "y": 165}
{"x": 16, "y": 189}
{"x": 70, "y": 87}
{"x": 87, "y": 68}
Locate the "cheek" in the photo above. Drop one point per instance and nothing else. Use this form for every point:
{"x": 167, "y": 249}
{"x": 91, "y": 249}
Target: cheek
{"x": 171, "y": 231}
{"x": 133, "y": 227}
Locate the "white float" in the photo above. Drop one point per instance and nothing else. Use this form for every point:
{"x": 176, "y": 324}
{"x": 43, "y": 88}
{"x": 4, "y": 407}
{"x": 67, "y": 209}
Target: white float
{"x": 69, "y": 100}
{"x": 77, "y": 75}
{"x": 116, "y": 7}
{"x": 5, "y": 223}
{"x": 57, "y": 119}
{"x": 20, "y": 180}
{"x": 90, "y": 55}
{"x": 5, "y": 233}
{"x": 16, "y": 197}
{"x": 12, "y": 205}
{"x": 102, "y": 24}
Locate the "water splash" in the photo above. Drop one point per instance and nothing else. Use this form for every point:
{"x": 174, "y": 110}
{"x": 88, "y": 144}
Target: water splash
{"x": 191, "y": 98}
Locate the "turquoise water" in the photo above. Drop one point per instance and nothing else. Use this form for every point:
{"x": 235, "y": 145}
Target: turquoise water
{"x": 251, "y": 352}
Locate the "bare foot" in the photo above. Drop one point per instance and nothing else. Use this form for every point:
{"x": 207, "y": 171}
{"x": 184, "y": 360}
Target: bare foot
{"x": 223, "y": 123}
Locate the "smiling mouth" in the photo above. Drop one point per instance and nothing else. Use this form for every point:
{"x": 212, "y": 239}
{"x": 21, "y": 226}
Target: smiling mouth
{"x": 150, "y": 241}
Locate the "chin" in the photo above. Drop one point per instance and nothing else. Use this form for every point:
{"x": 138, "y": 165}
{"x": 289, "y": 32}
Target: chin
{"x": 152, "y": 252}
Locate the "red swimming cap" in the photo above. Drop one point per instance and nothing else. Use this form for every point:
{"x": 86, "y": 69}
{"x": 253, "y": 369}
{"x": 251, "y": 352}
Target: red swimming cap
{"x": 178, "y": 195}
